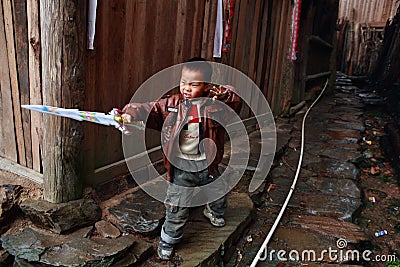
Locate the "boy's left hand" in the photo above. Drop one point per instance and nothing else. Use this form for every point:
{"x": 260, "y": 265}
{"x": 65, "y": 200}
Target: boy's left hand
{"x": 218, "y": 92}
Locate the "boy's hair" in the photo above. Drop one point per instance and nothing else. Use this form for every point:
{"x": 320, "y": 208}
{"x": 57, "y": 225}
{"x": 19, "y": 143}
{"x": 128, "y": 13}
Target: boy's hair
{"x": 199, "y": 64}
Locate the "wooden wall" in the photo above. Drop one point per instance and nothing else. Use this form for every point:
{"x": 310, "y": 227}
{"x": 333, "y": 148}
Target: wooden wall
{"x": 21, "y": 131}
{"x": 137, "y": 38}
{"x": 361, "y": 31}
{"x": 368, "y": 11}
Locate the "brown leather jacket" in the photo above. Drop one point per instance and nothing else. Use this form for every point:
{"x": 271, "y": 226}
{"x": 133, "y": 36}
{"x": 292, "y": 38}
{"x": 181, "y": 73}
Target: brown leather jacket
{"x": 168, "y": 115}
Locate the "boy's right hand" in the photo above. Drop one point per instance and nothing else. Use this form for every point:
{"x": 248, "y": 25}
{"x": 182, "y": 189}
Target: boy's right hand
{"x": 125, "y": 113}
{"x": 127, "y": 118}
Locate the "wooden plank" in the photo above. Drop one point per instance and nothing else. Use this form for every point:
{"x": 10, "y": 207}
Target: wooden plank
{"x": 317, "y": 75}
{"x": 12, "y": 64}
{"x": 9, "y": 142}
{"x": 206, "y": 21}
{"x": 22, "y": 171}
{"x": 261, "y": 60}
{"x": 63, "y": 37}
{"x": 1, "y": 122}
{"x": 275, "y": 56}
{"x": 180, "y": 30}
{"x": 241, "y": 30}
{"x": 111, "y": 87}
{"x": 34, "y": 81}
{"x": 271, "y": 52}
{"x": 197, "y": 24}
{"x": 21, "y": 48}
{"x": 121, "y": 167}
{"x": 255, "y": 41}
{"x": 211, "y": 31}
{"x": 235, "y": 28}
{"x": 318, "y": 40}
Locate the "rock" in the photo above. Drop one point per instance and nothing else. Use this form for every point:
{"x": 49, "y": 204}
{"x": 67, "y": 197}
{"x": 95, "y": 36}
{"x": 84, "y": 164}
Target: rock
{"x": 61, "y": 217}
{"x": 106, "y": 229}
{"x": 331, "y": 152}
{"x": 332, "y": 168}
{"x": 135, "y": 212}
{"x": 9, "y": 197}
{"x": 5, "y": 258}
{"x": 331, "y": 227}
{"x": 203, "y": 244}
{"x": 313, "y": 200}
{"x": 66, "y": 250}
{"x": 334, "y": 186}
{"x": 294, "y": 241}
{"x": 137, "y": 253}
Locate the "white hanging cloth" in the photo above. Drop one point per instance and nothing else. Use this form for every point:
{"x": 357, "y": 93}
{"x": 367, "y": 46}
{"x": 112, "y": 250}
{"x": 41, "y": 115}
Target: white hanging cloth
{"x": 218, "y": 31}
{"x": 91, "y": 23}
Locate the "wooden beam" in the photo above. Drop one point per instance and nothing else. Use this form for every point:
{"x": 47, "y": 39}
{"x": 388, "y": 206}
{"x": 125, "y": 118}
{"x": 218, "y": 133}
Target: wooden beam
{"x": 318, "y": 40}
{"x": 35, "y": 93}
{"x": 317, "y": 75}
{"x": 9, "y": 146}
{"x": 22, "y": 171}
{"x": 63, "y": 53}
{"x": 12, "y": 65}
{"x": 21, "y": 48}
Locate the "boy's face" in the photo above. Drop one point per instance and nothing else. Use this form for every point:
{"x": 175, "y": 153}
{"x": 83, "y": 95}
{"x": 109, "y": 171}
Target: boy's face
{"x": 192, "y": 84}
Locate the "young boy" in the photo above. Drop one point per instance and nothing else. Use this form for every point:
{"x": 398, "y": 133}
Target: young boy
{"x": 185, "y": 120}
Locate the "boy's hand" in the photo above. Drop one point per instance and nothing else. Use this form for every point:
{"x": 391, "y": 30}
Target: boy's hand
{"x": 127, "y": 118}
{"x": 219, "y": 92}
{"x": 125, "y": 112}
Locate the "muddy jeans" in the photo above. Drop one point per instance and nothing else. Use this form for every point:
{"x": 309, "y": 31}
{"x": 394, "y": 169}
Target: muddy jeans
{"x": 178, "y": 200}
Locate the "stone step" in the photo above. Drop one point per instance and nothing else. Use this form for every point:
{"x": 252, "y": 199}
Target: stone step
{"x": 35, "y": 247}
{"x": 206, "y": 245}
{"x": 318, "y": 195}
{"x": 134, "y": 211}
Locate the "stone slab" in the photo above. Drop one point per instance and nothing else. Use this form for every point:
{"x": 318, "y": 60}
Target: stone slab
{"x": 135, "y": 212}
{"x": 39, "y": 247}
{"x": 203, "y": 244}
{"x": 313, "y": 201}
{"x": 61, "y": 217}
{"x": 331, "y": 227}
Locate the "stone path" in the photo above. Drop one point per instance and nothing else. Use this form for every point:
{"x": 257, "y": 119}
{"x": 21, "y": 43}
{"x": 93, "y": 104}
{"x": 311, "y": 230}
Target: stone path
{"x": 326, "y": 196}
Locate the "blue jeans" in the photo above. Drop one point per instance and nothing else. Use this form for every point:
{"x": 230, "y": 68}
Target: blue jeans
{"x": 178, "y": 201}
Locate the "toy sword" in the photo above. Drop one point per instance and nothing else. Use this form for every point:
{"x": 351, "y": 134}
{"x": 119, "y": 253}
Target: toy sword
{"x": 113, "y": 118}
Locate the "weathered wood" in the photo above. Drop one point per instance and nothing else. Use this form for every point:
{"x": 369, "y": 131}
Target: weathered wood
{"x": 35, "y": 93}
{"x": 22, "y": 171}
{"x": 21, "y": 49}
{"x": 12, "y": 64}
{"x": 368, "y": 10}
{"x": 9, "y": 143}
{"x": 317, "y": 75}
{"x": 62, "y": 24}
{"x": 317, "y": 39}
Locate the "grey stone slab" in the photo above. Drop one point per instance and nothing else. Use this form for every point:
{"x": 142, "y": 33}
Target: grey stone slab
{"x": 106, "y": 229}
{"x": 66, "y": 250}
{"x": 332, "y": 168}
{"x": 203, "y": 243}
{"x": 61, "y": 217}
{"x": 333, "y": 186}
{"x": 135, "y": 212}
{"x": 331, "y": 227}
{"x": 314, "y": 201}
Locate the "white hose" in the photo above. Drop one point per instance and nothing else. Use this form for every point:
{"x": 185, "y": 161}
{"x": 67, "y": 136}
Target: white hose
{"x": 278, "y": 218}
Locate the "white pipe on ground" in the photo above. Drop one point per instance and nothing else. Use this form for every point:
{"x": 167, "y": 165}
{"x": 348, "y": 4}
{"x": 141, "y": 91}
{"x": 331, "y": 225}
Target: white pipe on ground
{"x": 278, "y": 218}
